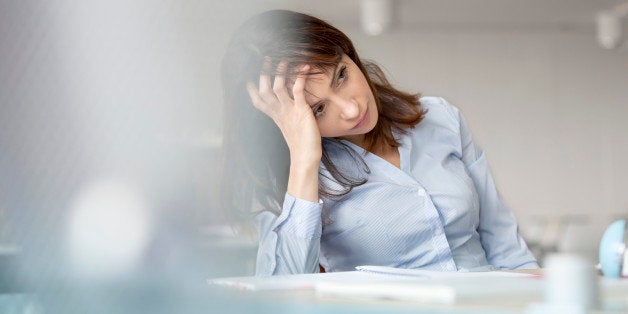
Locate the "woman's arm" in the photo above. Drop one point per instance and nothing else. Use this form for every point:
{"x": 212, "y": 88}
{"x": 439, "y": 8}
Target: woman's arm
{"x": 298, "y": 126}
{"x": 498, "y": 229}
{"x": 290, "y": 243}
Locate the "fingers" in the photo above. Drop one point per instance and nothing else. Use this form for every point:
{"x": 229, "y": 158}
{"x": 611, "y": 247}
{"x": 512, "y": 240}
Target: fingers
{"x": 279, "y": 86}
{"x": 272, "y": 99}
{"x": 265, "y": 87}
{"x": 298, "y": 90}
{"x": 258, "y": 102}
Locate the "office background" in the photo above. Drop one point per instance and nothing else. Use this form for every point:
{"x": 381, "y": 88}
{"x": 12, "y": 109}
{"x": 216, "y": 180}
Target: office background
{"x": 122, "y": 100}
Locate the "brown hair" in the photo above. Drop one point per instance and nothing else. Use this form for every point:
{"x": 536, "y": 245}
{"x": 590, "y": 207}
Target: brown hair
{"x": 256, "y": 158}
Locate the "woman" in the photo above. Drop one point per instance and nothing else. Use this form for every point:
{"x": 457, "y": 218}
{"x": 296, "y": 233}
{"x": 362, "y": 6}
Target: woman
{"x": 359, "y": 173}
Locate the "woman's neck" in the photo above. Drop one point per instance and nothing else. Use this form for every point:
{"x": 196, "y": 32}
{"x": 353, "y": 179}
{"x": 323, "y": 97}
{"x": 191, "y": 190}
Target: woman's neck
{"x": 388, "y": 153}
{"x": 384, "y": 150}
{"x": 357, "y": 140}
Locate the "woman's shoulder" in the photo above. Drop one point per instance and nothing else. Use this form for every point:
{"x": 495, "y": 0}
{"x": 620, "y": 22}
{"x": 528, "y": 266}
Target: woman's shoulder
{"x": 437, "y": 103}
{"x": 439, "y": 110}
{"x": 441, "y": 125}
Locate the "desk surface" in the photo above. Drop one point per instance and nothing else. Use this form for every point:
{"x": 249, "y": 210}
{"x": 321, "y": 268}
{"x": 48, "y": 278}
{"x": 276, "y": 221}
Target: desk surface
{"x": 156, "y": 297}
{"x": 308, "y": 300}
{"x": 613, "y": 296}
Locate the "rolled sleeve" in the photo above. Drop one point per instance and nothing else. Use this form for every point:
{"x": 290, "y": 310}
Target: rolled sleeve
{"x": 303, "y": 218}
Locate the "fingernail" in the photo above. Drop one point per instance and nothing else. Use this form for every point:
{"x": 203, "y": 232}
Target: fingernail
{"x": 267, "y": 61}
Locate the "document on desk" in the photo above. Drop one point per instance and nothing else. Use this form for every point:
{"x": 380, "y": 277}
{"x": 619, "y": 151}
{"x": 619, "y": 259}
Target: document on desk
{"x": 435, "y": 286}
{"x": 399, "y": 284}
{"x": 303, "y": 281}
{"x": 430, "y": 274}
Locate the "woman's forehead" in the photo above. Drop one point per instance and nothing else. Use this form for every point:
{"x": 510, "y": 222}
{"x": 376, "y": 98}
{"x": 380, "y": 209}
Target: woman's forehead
{"x": 314, "y": 76}
{"x": 316, "y": 85}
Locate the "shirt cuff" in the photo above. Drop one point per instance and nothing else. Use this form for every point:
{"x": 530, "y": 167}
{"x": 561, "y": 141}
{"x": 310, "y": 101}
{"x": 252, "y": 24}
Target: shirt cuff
{"x": 300, "y": 217}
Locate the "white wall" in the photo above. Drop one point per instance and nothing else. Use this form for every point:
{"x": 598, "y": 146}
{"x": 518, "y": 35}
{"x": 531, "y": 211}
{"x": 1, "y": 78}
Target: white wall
{"x": 92, "y": 89}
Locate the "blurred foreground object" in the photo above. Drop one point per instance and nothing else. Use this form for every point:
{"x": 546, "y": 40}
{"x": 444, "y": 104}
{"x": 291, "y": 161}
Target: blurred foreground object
{"x": 570, "y": 286}
{"x": 109, "y": 229}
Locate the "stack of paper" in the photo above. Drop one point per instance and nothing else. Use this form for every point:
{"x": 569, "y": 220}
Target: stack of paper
{"x": 400, "y": 284}
{"x": 305, "y": 281}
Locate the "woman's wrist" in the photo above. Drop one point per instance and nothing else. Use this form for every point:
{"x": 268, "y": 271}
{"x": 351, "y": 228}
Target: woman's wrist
{"x": 303, "y": 181}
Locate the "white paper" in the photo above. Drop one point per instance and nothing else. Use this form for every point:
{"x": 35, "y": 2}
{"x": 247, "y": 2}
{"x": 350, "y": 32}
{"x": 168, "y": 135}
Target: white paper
{"x": 430, "y": 274}
{"x": 393, "y": 283}
{"x": 406, "y": 291}
{"x": 303, "y": 281}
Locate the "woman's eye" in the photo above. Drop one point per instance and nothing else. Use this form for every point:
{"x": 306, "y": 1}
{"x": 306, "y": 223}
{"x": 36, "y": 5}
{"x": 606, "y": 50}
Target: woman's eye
{"x": 319, "y": 110}
{"x": 342, "y": 74}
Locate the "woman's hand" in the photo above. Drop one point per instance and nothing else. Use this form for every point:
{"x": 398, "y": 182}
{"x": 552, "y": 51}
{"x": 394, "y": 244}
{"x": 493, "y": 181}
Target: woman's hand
{"x": 298, "y": 125}
{"x": 294, "y": 117}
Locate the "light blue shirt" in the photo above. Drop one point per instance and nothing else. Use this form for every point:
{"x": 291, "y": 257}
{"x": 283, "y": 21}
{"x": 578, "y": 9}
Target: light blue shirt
{"x": 440, "y": 211}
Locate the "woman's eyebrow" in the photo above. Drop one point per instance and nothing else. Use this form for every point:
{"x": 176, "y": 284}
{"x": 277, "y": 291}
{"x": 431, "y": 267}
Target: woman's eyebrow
{"x": 333, "y": 80}
{"x": 314, "y": 104}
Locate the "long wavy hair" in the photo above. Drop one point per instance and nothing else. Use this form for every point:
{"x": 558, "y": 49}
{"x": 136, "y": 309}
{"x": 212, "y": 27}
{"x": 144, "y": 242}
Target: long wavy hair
{"x": 256, "y": 158}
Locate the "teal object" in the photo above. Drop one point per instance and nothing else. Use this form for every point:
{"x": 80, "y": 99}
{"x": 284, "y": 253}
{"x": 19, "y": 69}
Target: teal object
{"x": 613, "y": 249}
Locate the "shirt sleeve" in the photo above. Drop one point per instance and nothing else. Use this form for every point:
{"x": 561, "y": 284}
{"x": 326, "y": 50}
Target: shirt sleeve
{"x": 289, "y": 243}
{"x": 498, "y": 229}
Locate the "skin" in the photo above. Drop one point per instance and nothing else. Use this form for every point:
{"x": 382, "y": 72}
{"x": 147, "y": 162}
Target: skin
{"x": 338, "y": 103}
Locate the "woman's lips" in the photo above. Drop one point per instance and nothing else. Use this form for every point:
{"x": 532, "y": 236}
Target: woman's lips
{"x": 363, "y": 120}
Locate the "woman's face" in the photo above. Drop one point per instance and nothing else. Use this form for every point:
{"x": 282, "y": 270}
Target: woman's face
{"x": 342, "y": 102}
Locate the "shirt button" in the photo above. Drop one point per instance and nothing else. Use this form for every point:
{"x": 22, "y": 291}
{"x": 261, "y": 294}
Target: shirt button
{"x": 438, "y": 231}
{"x": 421, "y": 192}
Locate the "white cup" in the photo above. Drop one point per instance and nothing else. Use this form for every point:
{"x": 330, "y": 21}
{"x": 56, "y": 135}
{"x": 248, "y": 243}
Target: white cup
{"x": 570, "y": 281}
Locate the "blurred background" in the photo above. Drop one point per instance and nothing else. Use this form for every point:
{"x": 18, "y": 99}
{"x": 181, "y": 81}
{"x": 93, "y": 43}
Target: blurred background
{"x": 111, "y": 119}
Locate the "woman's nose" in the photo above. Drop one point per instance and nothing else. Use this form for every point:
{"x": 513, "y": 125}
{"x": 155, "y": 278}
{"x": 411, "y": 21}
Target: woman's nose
{"x": 349, "y": 109}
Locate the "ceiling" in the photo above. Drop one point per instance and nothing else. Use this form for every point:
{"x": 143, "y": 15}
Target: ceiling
{"x": 462, "y": 12}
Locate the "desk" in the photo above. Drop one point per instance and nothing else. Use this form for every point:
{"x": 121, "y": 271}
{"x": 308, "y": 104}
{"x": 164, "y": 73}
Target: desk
{"x": 151, "y": 296}
{"x": 614, "y": 299}
{"x": 308, "y": 302}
